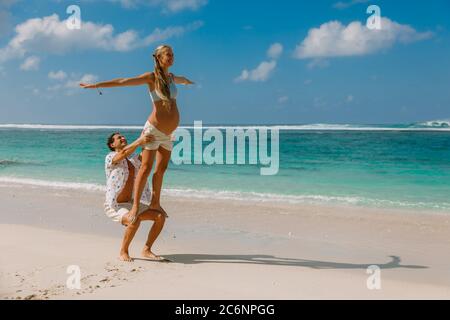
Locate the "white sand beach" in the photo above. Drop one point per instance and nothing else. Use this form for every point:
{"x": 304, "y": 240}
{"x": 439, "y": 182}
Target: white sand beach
{"x": 221, "y": 249}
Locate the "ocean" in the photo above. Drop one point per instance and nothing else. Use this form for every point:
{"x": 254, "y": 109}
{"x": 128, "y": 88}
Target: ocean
{"x": 394, "y": 166}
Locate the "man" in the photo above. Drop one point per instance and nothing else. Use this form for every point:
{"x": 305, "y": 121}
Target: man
{"x": 121, "y": 166}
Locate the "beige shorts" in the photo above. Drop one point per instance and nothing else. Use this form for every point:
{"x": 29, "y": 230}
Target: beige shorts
{"x": 161, "y": 139}
{"x": 124, "y": 208}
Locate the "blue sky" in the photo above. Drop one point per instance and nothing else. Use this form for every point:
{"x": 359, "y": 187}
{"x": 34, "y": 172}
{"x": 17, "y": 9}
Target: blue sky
{"x": 254, "y": 62}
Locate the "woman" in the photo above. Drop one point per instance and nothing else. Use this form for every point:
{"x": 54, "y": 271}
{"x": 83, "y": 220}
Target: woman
{"x": 161, "y": 123}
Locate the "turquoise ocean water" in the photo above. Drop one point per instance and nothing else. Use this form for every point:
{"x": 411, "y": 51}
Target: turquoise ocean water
{"x": 406, "y": 166}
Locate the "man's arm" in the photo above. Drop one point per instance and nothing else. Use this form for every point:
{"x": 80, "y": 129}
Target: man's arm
{"x": 131, "y": 148}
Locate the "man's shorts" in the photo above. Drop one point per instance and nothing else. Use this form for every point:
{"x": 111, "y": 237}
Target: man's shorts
{"x": 124, "y": 208}
{"x": 161, "y": 139}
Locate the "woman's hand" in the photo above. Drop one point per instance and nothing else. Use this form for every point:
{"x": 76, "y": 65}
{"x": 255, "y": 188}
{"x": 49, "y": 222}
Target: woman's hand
{"x": 88, "y": 86}
{"x": 187, "y": 81}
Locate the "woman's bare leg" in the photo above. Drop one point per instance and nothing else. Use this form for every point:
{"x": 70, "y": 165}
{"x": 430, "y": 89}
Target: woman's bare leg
{"x": 162, "y": 162}
{"x": 148, "y": 157}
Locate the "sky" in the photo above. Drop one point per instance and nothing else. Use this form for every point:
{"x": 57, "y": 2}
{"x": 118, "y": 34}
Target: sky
{"x": 253, "y": 62}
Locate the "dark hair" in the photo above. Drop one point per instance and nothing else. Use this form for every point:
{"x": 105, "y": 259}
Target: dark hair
{"x": 111, "y": 140}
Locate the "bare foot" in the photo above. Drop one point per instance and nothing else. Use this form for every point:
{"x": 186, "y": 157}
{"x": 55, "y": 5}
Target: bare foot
{"x": 124, "y": 256}
{"x": 150, "y": 255}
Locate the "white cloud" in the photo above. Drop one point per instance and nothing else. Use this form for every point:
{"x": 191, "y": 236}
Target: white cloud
{"x": 275, "y": 51}
{"x": 259, "y": 74}
{"x": 127, "y": 3}
{"x": 58, "y": 75}
{"x": 180, "y": 5}
{"x": 350, "y": 98}
{"x": 333, "y": 39}
{"x": 263, "y": 71}
{"x": 169, "y": 6}
{"x": 30, "y": 64}
{"x": 72, "y": 85}
{"x": 75, "y": 83}
{"x": 344, "y": 5}
{"x": 163, "y": 34}
{"x": 51, "y": 35}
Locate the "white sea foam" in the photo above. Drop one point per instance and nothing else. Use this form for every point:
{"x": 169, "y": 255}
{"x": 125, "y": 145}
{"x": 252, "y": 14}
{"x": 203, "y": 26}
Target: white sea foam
{"x": 436, "y": 123}
{"x": 52, "y": 184}
{"x": 255, "y": 196}
{"x": 235, "y": 196}
{"x": 299, "y": 199}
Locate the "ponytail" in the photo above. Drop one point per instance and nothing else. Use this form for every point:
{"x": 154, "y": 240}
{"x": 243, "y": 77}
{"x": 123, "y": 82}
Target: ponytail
{"x": 161, "y": 81}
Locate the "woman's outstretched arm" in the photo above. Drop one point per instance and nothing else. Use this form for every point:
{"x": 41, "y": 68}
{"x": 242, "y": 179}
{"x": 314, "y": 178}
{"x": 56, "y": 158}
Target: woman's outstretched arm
{"x": 182, "y": 80}
{"x": 120, "y": 82}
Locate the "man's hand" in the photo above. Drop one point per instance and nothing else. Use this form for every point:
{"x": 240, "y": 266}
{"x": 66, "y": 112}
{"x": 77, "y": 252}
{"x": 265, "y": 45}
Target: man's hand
{"x": 145, "y": 139}
{"x": 129, "y": 149}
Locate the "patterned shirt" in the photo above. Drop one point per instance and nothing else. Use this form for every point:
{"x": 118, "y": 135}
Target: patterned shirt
{"x": 117, "y": 177}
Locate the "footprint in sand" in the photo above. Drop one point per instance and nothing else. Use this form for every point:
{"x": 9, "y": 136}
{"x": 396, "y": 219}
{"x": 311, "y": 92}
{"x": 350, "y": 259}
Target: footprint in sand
{"x": 114, "y": 276}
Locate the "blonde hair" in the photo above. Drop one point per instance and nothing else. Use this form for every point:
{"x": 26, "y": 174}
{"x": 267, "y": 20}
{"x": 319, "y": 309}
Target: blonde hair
{"x": 161, "y": 80}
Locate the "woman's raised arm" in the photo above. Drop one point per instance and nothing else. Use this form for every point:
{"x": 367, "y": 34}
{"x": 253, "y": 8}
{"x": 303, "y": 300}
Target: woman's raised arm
{"x": 181, "y": 80}
{"x": 120, "y": 82}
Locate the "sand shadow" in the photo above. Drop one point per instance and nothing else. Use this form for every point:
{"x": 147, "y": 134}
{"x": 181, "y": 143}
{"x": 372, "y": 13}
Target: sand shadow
{"x": 395, "y": 262}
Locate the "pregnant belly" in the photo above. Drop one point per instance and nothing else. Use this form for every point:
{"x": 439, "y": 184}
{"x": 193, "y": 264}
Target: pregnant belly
{"x": 165, "y": 120}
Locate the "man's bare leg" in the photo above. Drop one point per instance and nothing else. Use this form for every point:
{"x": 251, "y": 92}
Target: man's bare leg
{"x": 159, "y": 220}
{"x": 131, "y": 229}
{"x": 130, "y": 232}
{"x": 148, "y": 157}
